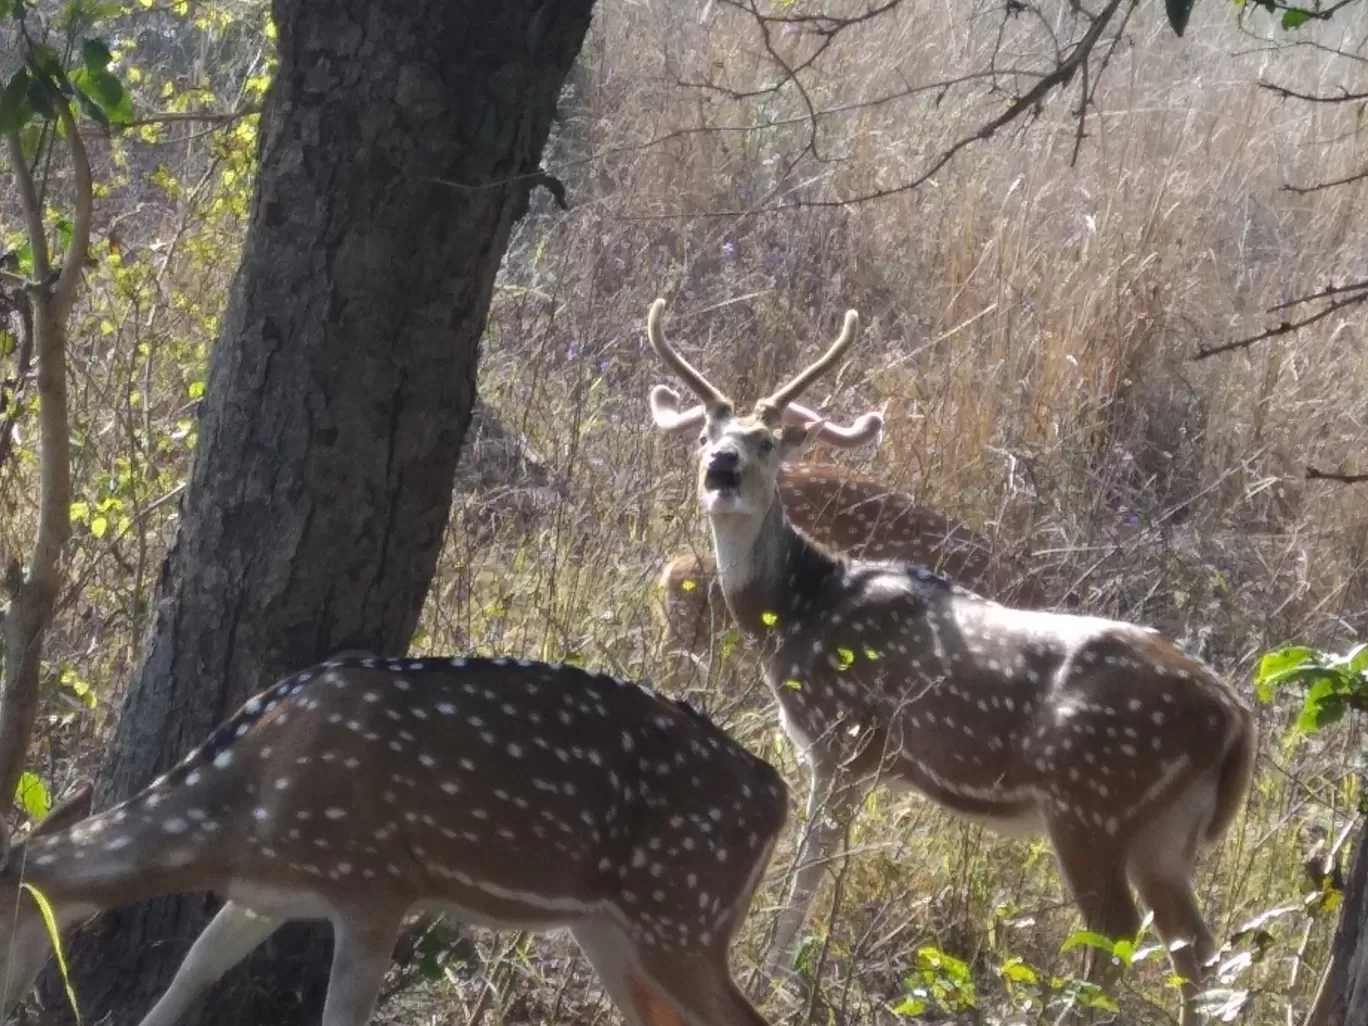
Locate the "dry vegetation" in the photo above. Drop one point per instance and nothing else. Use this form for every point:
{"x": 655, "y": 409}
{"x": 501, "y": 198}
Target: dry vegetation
{"x": 1030, "y": 320}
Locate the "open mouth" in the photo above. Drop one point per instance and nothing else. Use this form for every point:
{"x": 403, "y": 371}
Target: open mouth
{"x": 722, "y": 482}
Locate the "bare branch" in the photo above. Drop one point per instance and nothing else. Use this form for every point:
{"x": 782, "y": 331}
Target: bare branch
{"x": 1286, "y": 327}
{"x": 205, "y": 117}
{"x": 1344, "y": 96}
{"x": 64, "y": 292}
{"x": 1302, "y": 190}
{"x": 1313, "y": 474}
{"x": 1068, "y": 64}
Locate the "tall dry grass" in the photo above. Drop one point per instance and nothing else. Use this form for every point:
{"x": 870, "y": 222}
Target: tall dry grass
{"x": 1030, "y": 321}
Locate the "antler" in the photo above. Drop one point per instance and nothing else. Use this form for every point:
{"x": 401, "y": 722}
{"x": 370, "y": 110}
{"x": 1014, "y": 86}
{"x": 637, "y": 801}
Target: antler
{"x": 785, "y": 395}
{"x": 668, "y": 418}
{"x": 697, "y": 383}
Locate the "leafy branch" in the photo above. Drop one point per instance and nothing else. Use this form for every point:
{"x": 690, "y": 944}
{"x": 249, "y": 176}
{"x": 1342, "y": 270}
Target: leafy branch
{"x": 37, "y": 106}
{"x": 1332, "y": 684}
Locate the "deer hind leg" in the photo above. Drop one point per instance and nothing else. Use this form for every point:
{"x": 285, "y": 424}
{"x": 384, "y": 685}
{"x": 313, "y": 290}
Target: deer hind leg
{"x": 229, "y": 938}
{"x": 1161, "y": 865}
{"x": 1096, "y": 876}
{"x": 651, "y": 987}
{"x": 363, "y": 941}
{"x": 831, "y": 807}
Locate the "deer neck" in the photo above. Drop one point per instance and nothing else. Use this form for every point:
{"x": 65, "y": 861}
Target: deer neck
{"x": 102, "y": 863}
{"x": 767, "y": 568}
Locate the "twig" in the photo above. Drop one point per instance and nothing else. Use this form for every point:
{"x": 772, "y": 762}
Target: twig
{"x": 192, "y": 117}
{"x": 1315, "y": 474}
{"x": 1285, "y": 328}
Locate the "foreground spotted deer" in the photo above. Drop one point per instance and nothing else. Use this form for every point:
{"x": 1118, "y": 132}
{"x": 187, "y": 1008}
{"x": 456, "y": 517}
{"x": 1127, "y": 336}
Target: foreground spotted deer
{"x": 1127, "y": 753}
{"x": 515, "y": 795}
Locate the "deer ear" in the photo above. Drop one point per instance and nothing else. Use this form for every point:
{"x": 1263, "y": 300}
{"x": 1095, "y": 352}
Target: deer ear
{"x": 793, "y": 439}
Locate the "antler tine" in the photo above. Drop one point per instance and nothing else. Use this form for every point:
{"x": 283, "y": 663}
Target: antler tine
{"x": 866, "y": 428}
{"x": 786, "y": 394}
{"x": 696, "y": 382}
{"x": 665, "y": 412}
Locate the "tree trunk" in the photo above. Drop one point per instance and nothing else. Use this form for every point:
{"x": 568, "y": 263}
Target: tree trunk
{"x": 337, "y": 399}
{"x": 1343, "y": 996}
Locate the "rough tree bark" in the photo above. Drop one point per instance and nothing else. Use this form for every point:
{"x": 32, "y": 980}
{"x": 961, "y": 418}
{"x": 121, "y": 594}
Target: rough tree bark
{"x": 1343, "y": 997}
{"x": 337, "y": 399}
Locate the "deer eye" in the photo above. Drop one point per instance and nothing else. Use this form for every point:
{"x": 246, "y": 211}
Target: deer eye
{"x": 703, "y": 438}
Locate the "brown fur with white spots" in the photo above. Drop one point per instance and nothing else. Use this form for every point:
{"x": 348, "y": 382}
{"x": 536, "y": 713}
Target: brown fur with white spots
{"x": 853, "y": 514}
{"x": 1128, "y": 754}
{"x": 507, "y": 794}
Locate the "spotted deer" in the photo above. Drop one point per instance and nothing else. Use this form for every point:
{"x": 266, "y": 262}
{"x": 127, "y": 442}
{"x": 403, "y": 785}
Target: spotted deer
{"x": 506, "y": 794}
{"x": 848, "y": 512}
{"x": 1129, "y": 754}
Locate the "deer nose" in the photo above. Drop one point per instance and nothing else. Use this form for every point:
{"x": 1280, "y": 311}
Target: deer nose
{"x": 724, "y": 461}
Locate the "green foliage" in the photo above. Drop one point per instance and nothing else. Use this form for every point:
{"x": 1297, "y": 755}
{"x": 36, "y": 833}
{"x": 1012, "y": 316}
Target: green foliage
{"x": 46, "y": 84}
{"x": 1332, "y": 684}
{"x": 33, "y": 795}
{"x": 1179, "y": 11}
{"x": 938, "y": 981}
{"x": 1295, "y": 17}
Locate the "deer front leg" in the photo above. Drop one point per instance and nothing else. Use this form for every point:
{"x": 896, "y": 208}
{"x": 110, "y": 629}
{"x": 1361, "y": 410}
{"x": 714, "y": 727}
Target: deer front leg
{"x": 227, "y": 940}
{"x": 363, "y": 941}
{"x": 830, "y": 809}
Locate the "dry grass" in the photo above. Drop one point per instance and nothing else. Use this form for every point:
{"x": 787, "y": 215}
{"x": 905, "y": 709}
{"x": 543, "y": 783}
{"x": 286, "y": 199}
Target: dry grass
{"x": 1030, "y": 324}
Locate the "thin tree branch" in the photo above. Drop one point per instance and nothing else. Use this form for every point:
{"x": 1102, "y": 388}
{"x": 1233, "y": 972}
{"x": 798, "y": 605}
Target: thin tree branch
{"x": 1302, "y": 190}
{"x": 194, "y": 117}
{"x": 1286, "y": 327}
{"x": 35, "y": 590}
{"x": 1286, "y": 93}
{"x": 1313, "y": 474}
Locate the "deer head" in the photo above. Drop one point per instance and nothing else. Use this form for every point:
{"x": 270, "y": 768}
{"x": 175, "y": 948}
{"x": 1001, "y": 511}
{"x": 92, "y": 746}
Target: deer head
{"x": 740, "y": 455}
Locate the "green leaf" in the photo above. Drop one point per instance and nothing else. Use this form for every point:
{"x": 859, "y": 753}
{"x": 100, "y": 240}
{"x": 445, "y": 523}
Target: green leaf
{"x": 1357, "y": 661}
{"x": 40, "y": 96}
{"x": 55, "y": 938}
{"x": 1017, "y": 971}
{"x": 106, "y": 92}
{"x": 98, "y": 526}
{"x": 1179, "y": 11}
{"x": 33, "y": 795}
{"x": 15, "y": 109}
{"x": 1088, "y": 939}
{"x": 1328, "y": 708}
{"x": 1295, "y": 17}
{"x": 46, "y": 67}
{"x": 909, "y": 1006}
{"x": 95, "y": 54}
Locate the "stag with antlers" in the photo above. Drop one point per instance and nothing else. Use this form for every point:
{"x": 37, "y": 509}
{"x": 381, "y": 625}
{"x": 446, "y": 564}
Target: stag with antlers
{"x": 1130, "y": 755}
{"x": 507, "y": 794}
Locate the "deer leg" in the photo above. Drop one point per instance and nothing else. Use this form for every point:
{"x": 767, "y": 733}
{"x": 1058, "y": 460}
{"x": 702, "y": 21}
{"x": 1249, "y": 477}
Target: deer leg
{"x": 362, "y": 945}
{"x": 830, "y": 808}
{"x": 1180, "y": 925}
{"x": 227, "y": 940}
{"x": 1096, "y": 876}
{"x": 1161, "y": 866}
{"x": 653, "y": 988}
